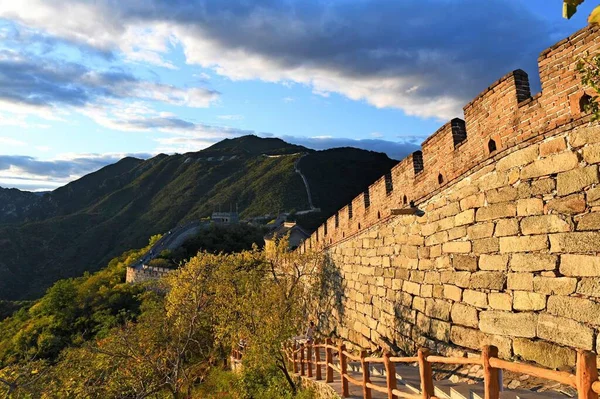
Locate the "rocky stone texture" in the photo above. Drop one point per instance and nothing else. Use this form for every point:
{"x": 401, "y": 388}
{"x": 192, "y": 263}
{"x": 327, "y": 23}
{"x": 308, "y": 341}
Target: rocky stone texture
{"x": 506, "y": 251}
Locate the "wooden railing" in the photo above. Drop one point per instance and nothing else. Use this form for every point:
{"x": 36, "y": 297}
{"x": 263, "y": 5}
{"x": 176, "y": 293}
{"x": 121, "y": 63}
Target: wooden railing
{"x": 304, "y": 357}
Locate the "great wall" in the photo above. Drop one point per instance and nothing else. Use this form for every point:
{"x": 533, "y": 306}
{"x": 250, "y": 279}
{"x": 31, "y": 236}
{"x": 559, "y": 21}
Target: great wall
{"x": 488, "y": 235}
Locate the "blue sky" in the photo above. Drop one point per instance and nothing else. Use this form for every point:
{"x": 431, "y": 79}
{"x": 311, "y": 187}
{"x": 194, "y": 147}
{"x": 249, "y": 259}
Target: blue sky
{"x": 84, "y": 83}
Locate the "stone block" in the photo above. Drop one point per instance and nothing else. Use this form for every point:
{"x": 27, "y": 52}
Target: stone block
{"x": 457, "y": 232}
{"x": 522, "y": 262}
{"x": 475, "y": 339}
{"x": 565, "y": 332}
{"x": 553, "y": 164}
{"x": 472, "y": 201}
{"x": 523, "y": 243}
{"x": 486, "y": 245}
{"x": 437, "y": 238}
{"x": 440, "y": 330}
{"x": 530, "y": 206}
{"x": 488, "y": 280}
{"x": 524, "y": 300}
{"x": 493, "y": 262}
{"x": 591, "y": 153}
{"x": 544, "y": 224}
{"x": 457, "y": 247}
{"x": 501, "y": 194}
{"x": 464, "y": 315}
{"x": 480, "y": 230}
{"x": 579, "y": 309}
{"x": 411, "y": 287}
{"x": 465, "y": 217}
{"x": 520, "y": 281}
{"x": 475, "y": 298}
{"x": 580, "y": 265}
{"x": 593, "y": 196}
{"x": 452, "y": 292}
{"x": 500, "y": 301}
{"x": 544, "y": 353}
{"x": 542, "y": 186}
{"x": 506, "y": 323}
{"x": 575, "y": 242}
{"x": 554, "y": 285}
{"x": 496, "y": 211}
{"x": 506, "y": 227}
{"x": 576, "y": 180}
{"x": 464, "y": 262}
{"x": 589, "y": 221}
{"x": 438, "y": 309}
{"x": 553, "y": 146}
{"x": 460, "y": 279}
{"x": 589, "y": 286}
{"x": 584, "y": 135}
{"x": 571, "y": 205}
{"x": 518, "y": 158}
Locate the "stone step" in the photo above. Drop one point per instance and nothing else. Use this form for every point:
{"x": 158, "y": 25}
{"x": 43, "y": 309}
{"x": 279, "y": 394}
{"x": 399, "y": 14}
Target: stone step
{"x": 465, "y": 391}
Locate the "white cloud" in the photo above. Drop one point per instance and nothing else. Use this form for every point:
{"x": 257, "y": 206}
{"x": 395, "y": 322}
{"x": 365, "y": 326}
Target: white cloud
{"x": 12, "y": 142}
{"x": 231, "y": 117}
{"x": 428, "y": 66}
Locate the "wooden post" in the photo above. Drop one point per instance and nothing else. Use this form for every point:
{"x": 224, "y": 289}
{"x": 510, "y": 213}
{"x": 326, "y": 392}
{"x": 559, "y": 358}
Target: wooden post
{"x": 302, "y": 359}
{"x": 390, "y": 375}
{"x": 366, "y": 375}
{"x": 295, "y": 357}
{"x": 426, "y": 374}
{"x": 328, "y": 360}
{"x": 317, "y": 361}
{"x": 309, "y": 358}
{"x": 491, "y": 376}
{"x": 344, "y": 370}
{"x": 587, "y": 374}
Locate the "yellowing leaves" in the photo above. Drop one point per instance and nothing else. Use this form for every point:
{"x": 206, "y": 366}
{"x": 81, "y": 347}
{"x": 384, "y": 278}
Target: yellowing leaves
{"x": 594, "y": 17}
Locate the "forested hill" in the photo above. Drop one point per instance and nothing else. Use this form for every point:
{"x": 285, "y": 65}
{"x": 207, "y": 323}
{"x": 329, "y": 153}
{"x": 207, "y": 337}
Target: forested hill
{"x": 82, "y": 225}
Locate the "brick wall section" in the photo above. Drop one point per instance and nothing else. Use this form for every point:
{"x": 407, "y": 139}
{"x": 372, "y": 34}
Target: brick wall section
{"x": 507, "y": 251}
{"x": 145, "y": 273}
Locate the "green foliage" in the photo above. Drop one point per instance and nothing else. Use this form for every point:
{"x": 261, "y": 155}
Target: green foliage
{"x": 72, "y": 312}
{"x": 226, "y": 384}
{"x": 96, "y": 337}
{"x": 589, "y": 69}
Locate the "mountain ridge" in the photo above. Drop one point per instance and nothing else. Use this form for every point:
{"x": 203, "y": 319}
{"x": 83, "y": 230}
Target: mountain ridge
{"x": 82, "y": 225}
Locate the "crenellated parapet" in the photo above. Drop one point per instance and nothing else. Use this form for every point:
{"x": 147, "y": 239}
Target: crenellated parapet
{"x": 499, "y": 119}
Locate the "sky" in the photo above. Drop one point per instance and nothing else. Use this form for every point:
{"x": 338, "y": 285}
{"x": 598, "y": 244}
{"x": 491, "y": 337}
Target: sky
{"x": 85, "y": 83}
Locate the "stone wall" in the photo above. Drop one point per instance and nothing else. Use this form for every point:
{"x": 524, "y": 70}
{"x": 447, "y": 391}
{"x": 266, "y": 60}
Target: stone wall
{"x": 507, "y": 249}
{"x": 145, "y": 273}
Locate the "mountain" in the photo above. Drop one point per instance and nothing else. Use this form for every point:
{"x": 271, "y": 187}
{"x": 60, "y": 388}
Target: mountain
{"x": 81, "y": 226}
{"x": 15, "y": 204}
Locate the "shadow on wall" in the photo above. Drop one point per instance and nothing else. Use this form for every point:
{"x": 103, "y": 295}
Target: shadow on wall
{"x": 331, "y": 297}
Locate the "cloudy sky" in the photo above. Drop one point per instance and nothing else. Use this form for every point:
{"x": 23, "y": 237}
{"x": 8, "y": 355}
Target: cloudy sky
{"x": 84, "y": 83}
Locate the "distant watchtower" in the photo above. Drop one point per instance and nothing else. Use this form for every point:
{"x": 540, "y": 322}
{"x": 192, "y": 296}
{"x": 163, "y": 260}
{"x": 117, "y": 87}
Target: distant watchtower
{"x": 225, "y": 217}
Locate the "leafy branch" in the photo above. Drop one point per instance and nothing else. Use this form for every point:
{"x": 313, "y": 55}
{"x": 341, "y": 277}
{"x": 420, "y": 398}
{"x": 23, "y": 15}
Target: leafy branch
{"x": 589, "y": 68}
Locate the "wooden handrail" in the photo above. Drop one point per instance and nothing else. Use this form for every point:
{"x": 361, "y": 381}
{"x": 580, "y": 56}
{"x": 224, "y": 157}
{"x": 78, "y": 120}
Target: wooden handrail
{"x": 318, "y": 362}
{"x": 596, "y": 386}
{"x": 585, "y": 381}
{"x": 409, "y": 359}
{"x": 558, "y": 376}
{"x": 351, "y": 356}
{"x": 454, "y": 360}
{"x": 377, "y": 387}
{"x": 354, "y": 381}
{"x": 374, "y": 359}
{"x": 366, "y": 375}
